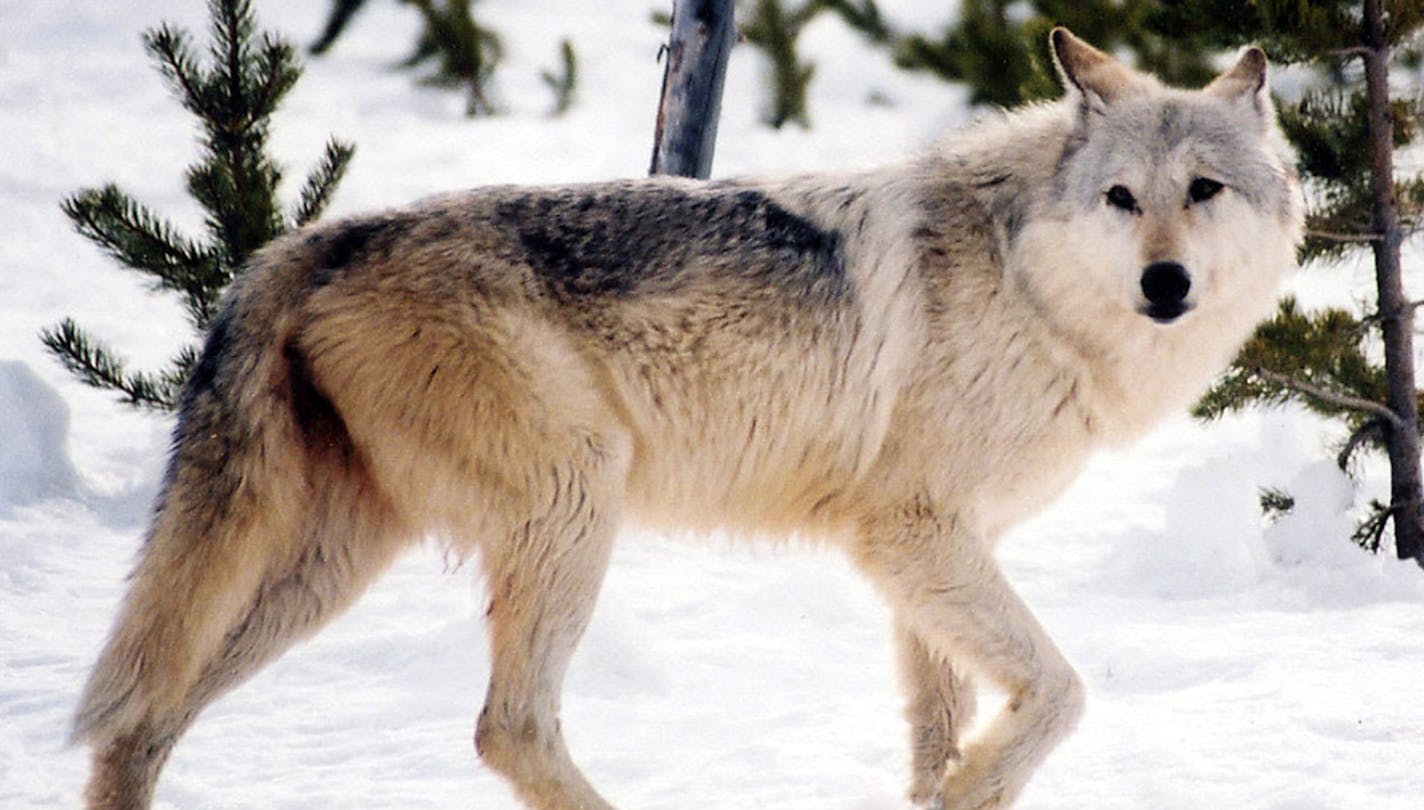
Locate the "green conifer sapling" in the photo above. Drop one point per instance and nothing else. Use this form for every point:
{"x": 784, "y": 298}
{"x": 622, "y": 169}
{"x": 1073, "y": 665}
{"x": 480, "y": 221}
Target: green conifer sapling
{"x": 235, "y": 182}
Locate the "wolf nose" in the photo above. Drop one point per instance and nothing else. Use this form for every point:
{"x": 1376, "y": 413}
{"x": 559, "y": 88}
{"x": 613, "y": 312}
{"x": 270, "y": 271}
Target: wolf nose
{"x": 1165, "y": 284}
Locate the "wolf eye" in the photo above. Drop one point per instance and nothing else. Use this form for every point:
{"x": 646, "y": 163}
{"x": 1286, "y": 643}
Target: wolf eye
{"x": 1120, "y": 197}
{"x": 1202, "y": 189}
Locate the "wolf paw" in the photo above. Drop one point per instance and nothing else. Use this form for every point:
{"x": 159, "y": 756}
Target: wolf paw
{"x": 993, "y": 801}
{"x": 926, "y": 791}
{"x": 966, "y": 790}
{"x": 932, "y": 802}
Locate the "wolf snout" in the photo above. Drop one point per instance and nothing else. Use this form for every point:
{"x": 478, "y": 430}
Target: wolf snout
{"x": 1166, "y": 285}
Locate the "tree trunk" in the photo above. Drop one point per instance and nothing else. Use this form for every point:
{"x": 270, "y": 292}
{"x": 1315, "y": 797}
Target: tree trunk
{"x": 1397, "y": 315}
{"x": 686, "y": 134}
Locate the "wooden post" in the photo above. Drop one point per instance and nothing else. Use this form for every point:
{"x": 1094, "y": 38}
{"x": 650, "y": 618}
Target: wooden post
{"x": 686, "y": 131}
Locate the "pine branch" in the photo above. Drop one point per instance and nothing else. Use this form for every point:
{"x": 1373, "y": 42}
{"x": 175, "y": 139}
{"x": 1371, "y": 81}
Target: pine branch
{"x": 1275, "y": 503}
{"x": 775, "y": 29}
{"x": 135, "y": 236}
{"x": 1370, "y": 533}
{"x": 93, "y": 365}
{"x": 277, "y": 71}
{"x": 176, "y": 62}
{"x": 232, "y": 31}
{"x": 179, "y": 369}
{"x": 322, "y": 181}
{"x": 1377, "y": 317}
{"x": 96, "y": 366}
{"x": 564, "y": 82}
{"x": 1330, "y": 236}
{"x": 1371, "y": 432}
{"x": 341, "y": 13}
{"x": 1357, "y": 52}
{"x": 1331, "y": 397}
{"x": 865, "y": 18}
{"x": 467, "y": 51}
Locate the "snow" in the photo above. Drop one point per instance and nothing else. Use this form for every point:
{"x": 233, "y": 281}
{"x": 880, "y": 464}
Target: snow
{"x": 34, "y": 461}
{"x": 1229, "y": 662}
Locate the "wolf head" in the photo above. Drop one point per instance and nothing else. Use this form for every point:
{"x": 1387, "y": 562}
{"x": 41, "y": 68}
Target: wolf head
{"x": 1170, "y": 205}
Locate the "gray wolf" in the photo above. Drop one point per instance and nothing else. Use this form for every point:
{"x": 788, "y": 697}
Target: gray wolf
{"x": 904, "y": 361}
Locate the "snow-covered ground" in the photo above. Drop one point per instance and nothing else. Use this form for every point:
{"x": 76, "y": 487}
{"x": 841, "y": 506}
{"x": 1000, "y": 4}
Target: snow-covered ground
{"x": 1230, "y": 663}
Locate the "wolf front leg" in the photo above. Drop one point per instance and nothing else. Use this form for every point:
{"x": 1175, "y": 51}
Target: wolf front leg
{"x": 939, "y": 706}
{"x": 953, "y": 605}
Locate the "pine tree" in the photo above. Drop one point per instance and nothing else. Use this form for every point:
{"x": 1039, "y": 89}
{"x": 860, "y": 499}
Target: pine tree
{"x": 234, "y": 182}
{"x": 1346, "y": 133}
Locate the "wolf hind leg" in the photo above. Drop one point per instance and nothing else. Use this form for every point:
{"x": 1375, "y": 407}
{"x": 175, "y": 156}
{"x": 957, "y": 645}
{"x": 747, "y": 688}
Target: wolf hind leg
{"x": 940, "y": 705}
{"x": 543, "y": 578}
{"x": 256, "y": 586}
{"x": 944, "y": 585}
{"x": 291, "y": 605}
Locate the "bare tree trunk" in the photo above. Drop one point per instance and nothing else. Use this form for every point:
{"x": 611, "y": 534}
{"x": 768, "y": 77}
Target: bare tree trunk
{"x": 1396, "y": 313}
{"x": 686, "y": 134}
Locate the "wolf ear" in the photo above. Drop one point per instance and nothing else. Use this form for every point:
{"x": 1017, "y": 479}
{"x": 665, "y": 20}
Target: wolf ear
{"x": 1100, "y": 78}
{"x": 1245, "y": 80}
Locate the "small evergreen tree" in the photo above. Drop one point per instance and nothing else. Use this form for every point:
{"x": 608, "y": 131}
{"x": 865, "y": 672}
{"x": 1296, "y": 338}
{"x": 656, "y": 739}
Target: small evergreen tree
{"x": 234, "y": 182}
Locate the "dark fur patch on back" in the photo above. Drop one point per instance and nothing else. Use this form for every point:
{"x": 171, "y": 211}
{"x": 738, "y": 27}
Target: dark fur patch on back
{"x": 351, "y": 241}
{"x": 625, "y": 240}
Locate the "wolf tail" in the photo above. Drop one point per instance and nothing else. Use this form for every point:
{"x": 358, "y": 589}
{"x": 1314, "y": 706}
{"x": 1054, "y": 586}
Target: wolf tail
{"x": 268, "y": 522}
